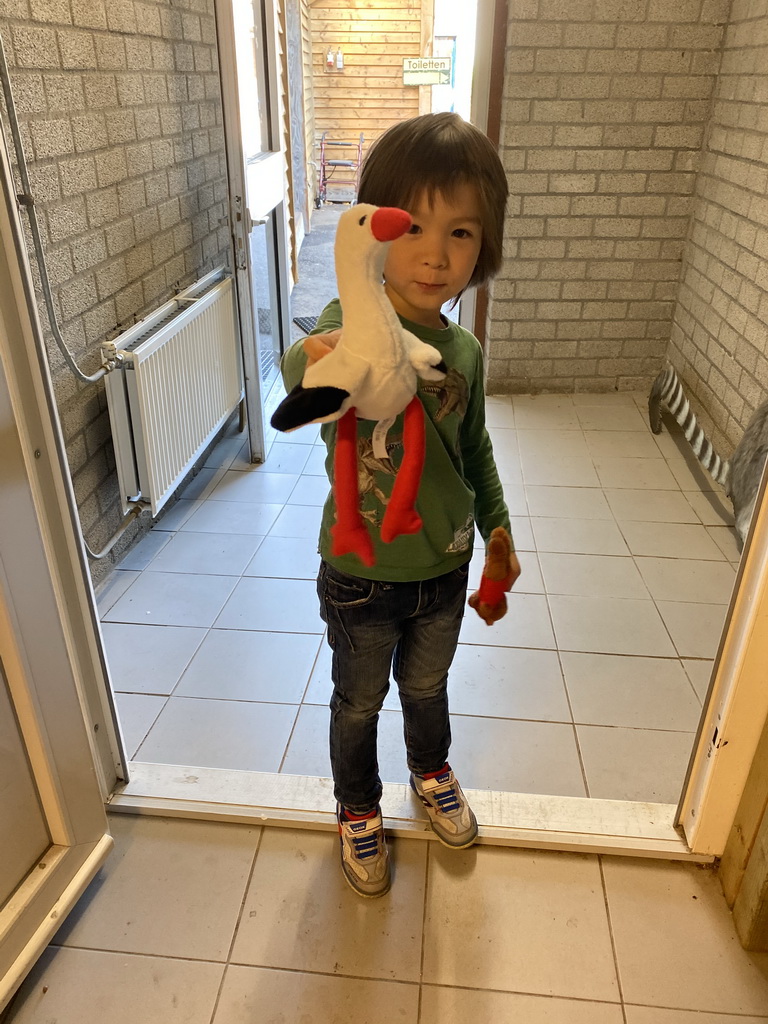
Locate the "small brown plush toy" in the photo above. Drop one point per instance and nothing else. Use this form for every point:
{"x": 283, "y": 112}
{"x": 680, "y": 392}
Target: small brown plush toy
{"x": 498, "y": 576}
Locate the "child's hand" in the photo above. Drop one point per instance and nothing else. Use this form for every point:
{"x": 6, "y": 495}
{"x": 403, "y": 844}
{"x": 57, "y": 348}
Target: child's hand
{"x": 318, "y": 345}
{"x": 501, "y": 570}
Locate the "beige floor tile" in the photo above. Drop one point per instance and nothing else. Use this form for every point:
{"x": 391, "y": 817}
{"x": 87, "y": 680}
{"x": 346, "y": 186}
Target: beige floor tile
{"x": 503, "y": 438}
{"x": 591, "y": 575}
{"x": 535, "y": 444}
{"x": 485, "y": 927}
{"x": 568, "y": 502}
{"x": 610, "y": 626}
{"x": 685, "y": 579}
{"x": 621, "y": 444}
{"x": 91, "y": 987}
{"x": 611, "y": 418}
{"x": 442, "y": 1005}
{"x": 710, "y": 507}
{"x": 239, "y": 664}
{"x": 638, "y": 693}
{"x": 623, "y": 472}
{"x": 545, "y": 412}
{"x": 690, "y": 474}
{"x": 237, "y": 734}
{"x": 727, "y": 540}
{"x": 257, "y": 994}
{"x": 169, "y": 888}
{"x": 700, "y": 674}
{"x": 695, "y": 628}
{"x": 499, "y": 412}
{"x": 653, "y": 1015}
{"x": 634, "y": 764}
{"x": 675, "y": 940}
{"x": 657, "y": 506}
{"x": 671, "y": 540}
{"x": 554, "y": 470}
{"x": 299, "y": 912}
{"x": 578, "y": 536}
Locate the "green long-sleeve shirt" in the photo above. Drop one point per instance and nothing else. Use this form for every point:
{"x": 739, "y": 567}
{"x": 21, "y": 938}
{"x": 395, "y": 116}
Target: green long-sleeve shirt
{"x": 460, "y": 485}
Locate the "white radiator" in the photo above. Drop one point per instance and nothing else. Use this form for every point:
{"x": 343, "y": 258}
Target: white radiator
{"x": 178, "y": 379}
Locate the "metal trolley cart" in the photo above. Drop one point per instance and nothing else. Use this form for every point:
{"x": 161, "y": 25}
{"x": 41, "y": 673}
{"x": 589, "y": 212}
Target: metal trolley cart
{"x": 340, "y": 161}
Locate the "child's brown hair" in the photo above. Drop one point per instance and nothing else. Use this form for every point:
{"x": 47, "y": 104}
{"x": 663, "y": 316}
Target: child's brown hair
{"x": 437, "y": 153}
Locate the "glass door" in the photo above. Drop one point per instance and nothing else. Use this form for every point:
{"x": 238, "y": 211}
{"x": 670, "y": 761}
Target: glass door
{"x": 257, "y": 185}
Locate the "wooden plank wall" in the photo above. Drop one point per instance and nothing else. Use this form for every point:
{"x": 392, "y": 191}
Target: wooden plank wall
{"x": 368, "y": 95}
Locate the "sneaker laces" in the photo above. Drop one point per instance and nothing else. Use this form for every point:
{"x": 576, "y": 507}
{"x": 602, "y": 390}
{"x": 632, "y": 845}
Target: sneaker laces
{"x": 366, "y": 844}
{"x": 444, "y": 793}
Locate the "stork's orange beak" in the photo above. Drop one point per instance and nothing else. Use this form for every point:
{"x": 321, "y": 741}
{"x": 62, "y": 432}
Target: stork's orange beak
{"x": 389, "y": 223}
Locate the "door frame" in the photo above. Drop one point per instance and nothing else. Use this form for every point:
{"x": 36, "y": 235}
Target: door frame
{"x": 74, "y": 755}
{"x": 264, "y": 178}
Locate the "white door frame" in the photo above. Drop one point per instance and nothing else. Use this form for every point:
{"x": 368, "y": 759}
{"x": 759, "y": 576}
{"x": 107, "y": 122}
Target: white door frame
{"x": 49, "y": 642}
{"x": 257, "y": 194}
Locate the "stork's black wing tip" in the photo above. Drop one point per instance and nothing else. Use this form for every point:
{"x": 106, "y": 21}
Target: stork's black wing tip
{"x": 304, "y": 405}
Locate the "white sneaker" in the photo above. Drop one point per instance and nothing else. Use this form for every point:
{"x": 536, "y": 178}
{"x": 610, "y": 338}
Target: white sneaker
{"x": 364, "y": 856}
{"x": 452, "y": 819}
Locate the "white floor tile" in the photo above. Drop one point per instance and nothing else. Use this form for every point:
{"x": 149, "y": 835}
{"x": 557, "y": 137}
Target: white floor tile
{"x": 277, "y": 606}
{"x": 302, "y": 521}
{"x": 676, "y": 943}
{"x": 148, "y": 659}
{"x": 526, "y": 624}
{"x": 507, "y": 682}
{"x": 545, "y": 412}
{"x": 309, "y": 490}
{"x": 315, "y": 464}
{"x": 120, "y": 988}
{"x": 621, "y": 444}
{"x": 638, "y": 693}
{"x": 485, "y": 927}
{"x": 286, "y": 457}
{"x": 591, "y": 575}
{"x": 244, "y": 517}
{"x": 294, "y": 558}
{"x": 695, "y": 628}
{"x": 443, "y": 1005}
{"x": 140, "y": 556}
{"x": 300, "y": 913}
{"x": 113, "y": 587}
{"x": 609, "y": 626}
{"x": 257, "y": 486}
{"x": 245, "y": 736}
{"x": 535, "y": 444}
{"x": 234, "y": 664}
{"x": 175, "y": 516}
{"x": 515, "y": 757}
{"x": 136, "y": 713}
{"x": 615, "y": 418}
{"x": 217, "y": 554}
{"x": 169, "y": 888}
{"x": 555, "y": 470}
{"x": 634, "y": 764}
{"x": 499, "y": 412}
{"x": 172, "y": 599}
{"x": 253, "y": 994}
{"x": 683, "y": 579}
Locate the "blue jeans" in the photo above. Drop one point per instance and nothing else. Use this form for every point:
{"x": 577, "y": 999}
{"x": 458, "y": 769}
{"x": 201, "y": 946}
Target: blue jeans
{"x": 373, "y": 626}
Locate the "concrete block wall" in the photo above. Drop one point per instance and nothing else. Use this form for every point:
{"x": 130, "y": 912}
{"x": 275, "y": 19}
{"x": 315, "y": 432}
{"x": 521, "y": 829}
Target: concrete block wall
{"x": 605, "y": 108}
{"x": 720, "y": 330}
{"x": 121, "y": 117}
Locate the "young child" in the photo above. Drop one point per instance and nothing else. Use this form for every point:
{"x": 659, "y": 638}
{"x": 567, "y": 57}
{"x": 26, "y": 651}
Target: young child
{"x": 404, "y": 612}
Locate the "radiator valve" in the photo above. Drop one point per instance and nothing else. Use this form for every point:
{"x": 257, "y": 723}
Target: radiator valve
{"x": 111, "y": 356}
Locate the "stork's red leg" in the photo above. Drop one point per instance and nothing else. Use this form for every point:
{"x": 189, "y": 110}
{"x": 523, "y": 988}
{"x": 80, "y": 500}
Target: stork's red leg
{"x": 350, "y": 535}
{"x": 401, "y": 515}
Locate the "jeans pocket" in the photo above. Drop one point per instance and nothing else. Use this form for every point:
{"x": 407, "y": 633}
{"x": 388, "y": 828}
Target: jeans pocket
{"x": 344, "y": 592}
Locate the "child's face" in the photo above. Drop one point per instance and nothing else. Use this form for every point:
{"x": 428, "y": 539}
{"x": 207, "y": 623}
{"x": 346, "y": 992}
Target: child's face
{"x": 435, "y": 260}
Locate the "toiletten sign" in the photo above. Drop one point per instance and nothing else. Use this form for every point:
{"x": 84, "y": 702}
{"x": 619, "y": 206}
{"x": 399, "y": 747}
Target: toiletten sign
{"x": 426, "y": 71}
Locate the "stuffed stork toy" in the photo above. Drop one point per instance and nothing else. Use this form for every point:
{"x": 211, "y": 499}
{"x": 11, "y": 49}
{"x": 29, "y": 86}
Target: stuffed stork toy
{"x": 371, "y": 374}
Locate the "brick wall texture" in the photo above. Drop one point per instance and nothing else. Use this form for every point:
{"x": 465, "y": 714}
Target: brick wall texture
{"x": 605, "y": 108}
{"x": 719, "y": 338}
{"x": 120, "y": 108}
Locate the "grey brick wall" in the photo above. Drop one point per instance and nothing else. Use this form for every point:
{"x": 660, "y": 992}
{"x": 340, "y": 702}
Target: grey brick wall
{"x": 720, "y": 333}
{"x": 604, "y": 113}
{"x": 122, "y": 126}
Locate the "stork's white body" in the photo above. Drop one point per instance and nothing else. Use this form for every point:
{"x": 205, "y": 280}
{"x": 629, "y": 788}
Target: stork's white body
{"x": 376, "y": 361}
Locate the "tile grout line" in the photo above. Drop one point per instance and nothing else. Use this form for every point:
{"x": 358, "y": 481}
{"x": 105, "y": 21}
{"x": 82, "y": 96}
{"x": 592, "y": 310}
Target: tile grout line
{"x": 614, "y": 950}
{"x": 427, "y": 864}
